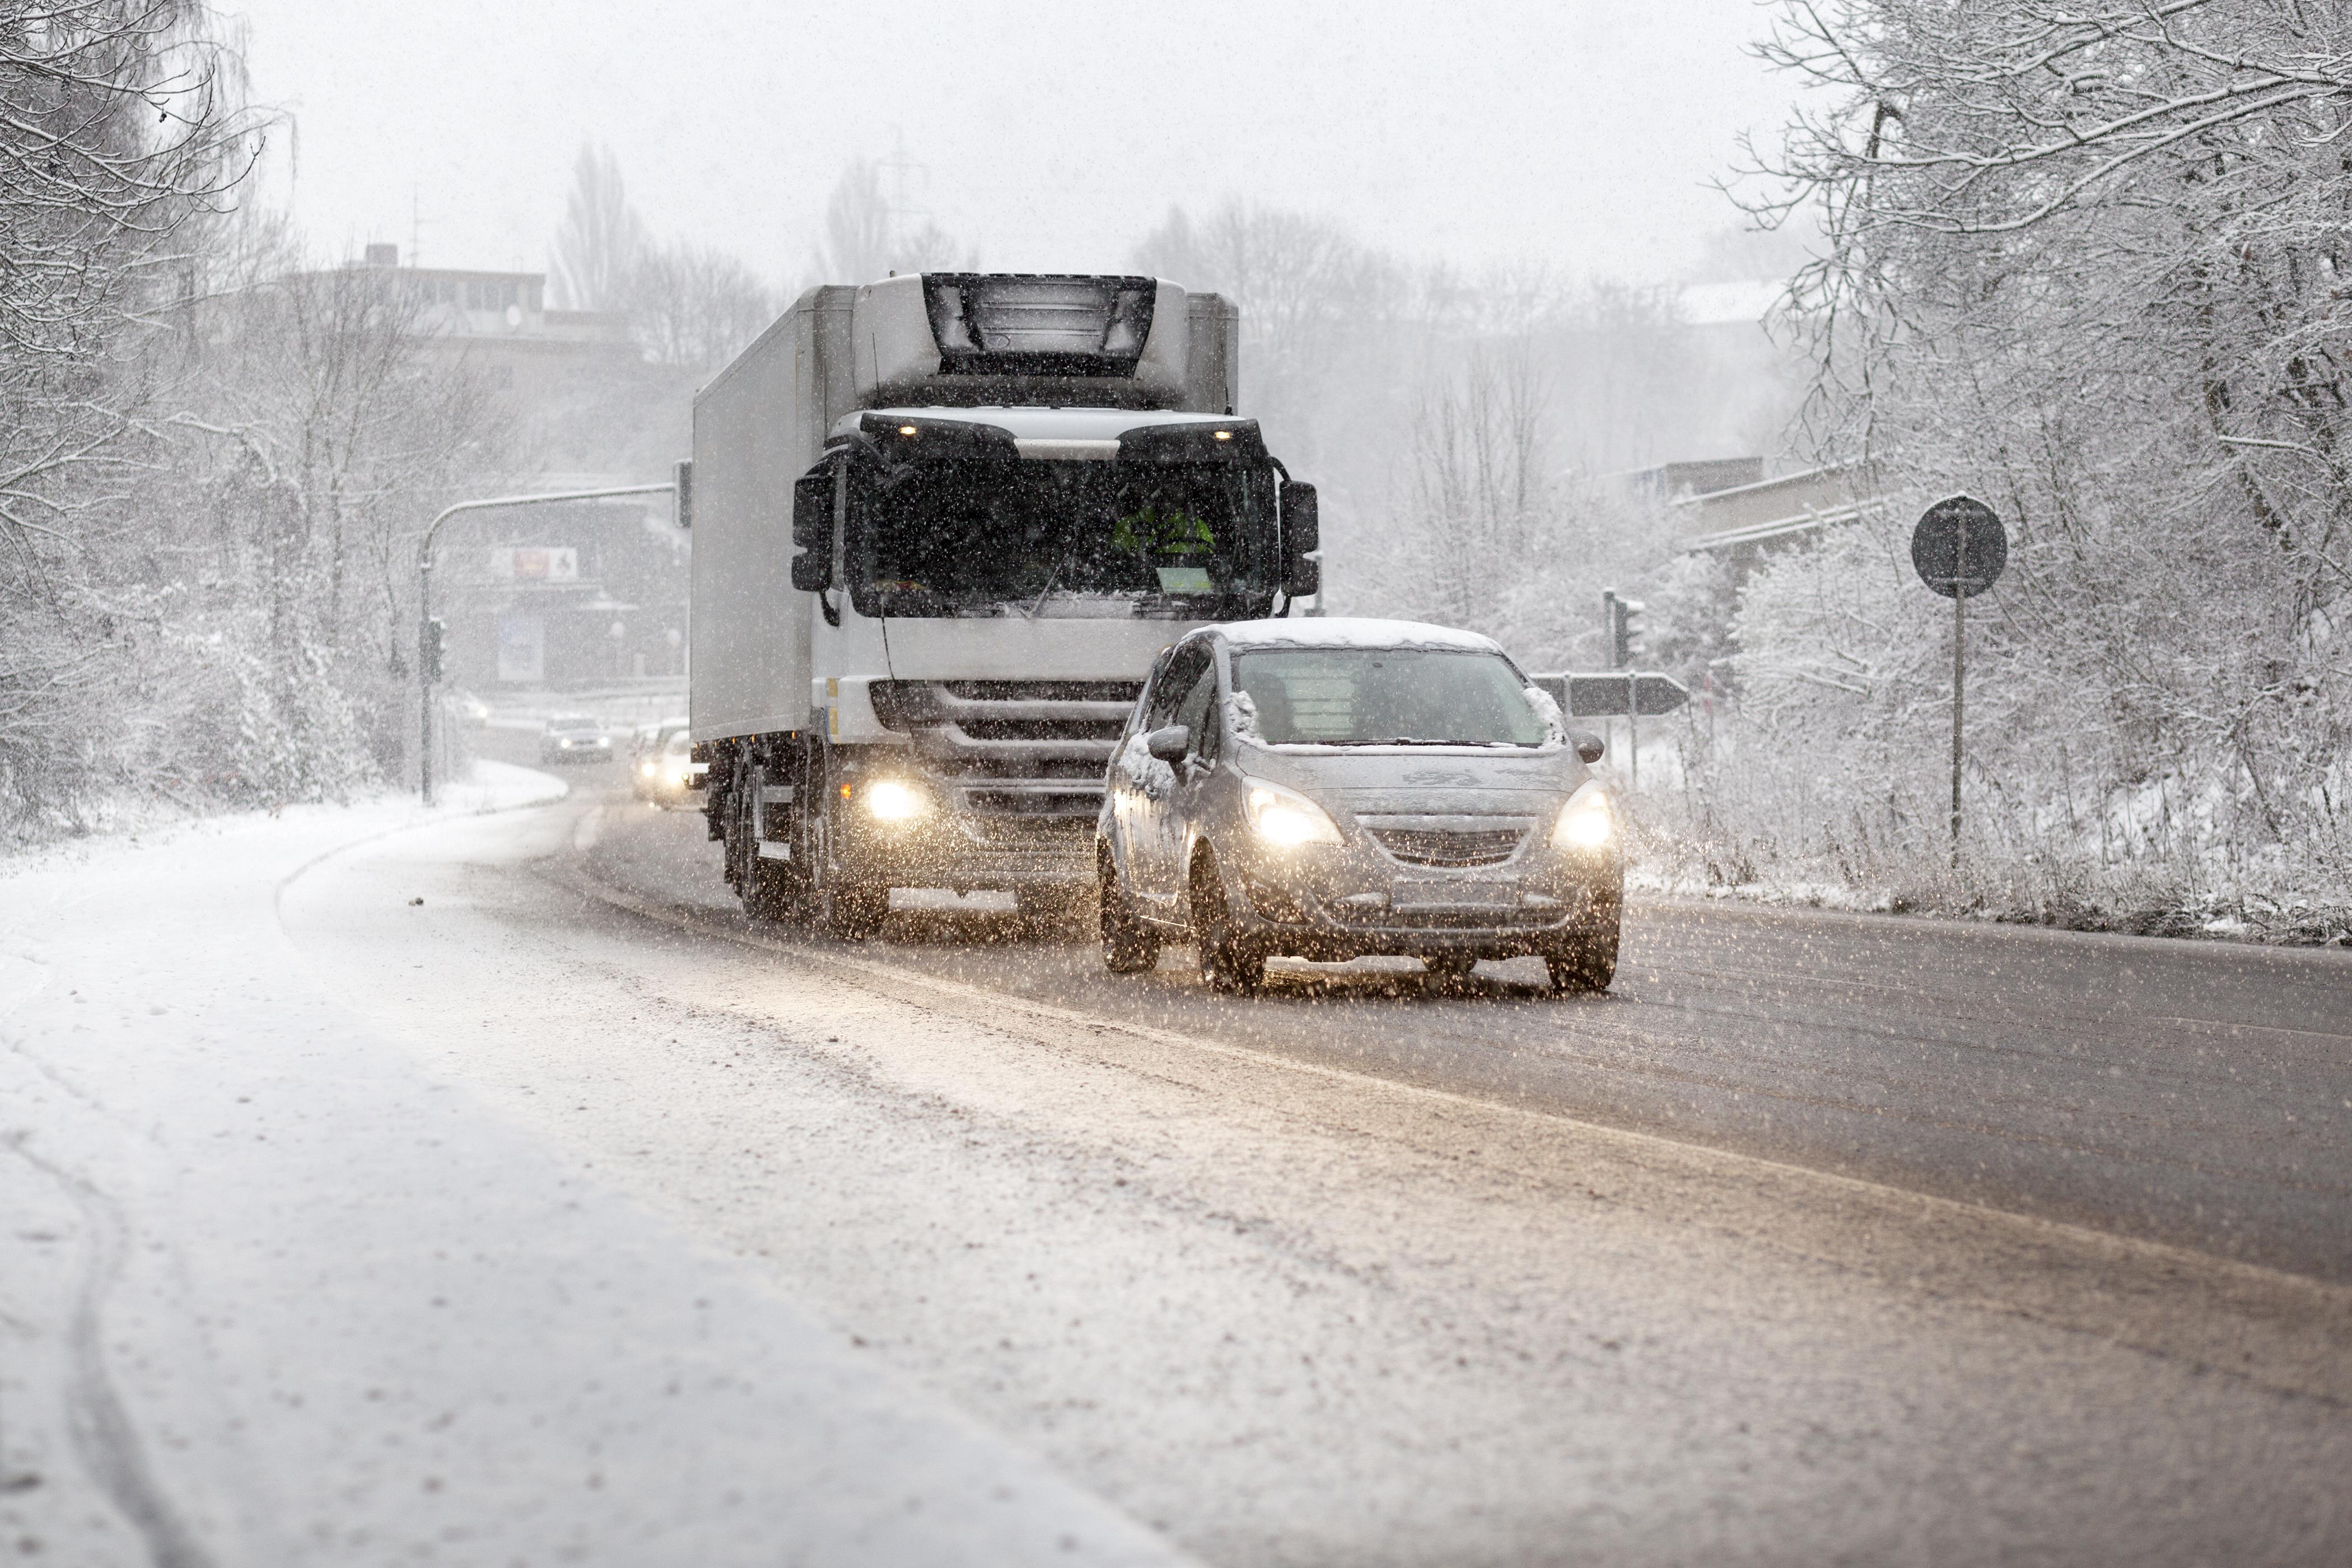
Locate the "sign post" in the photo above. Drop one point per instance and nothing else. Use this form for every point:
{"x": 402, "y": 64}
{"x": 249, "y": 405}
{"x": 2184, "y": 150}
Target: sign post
{"x": 1959, "y": 549}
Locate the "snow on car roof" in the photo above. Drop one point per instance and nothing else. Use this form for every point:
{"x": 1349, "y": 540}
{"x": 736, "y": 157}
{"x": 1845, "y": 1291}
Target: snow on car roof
{"x": 1044, "y": 423}
{"x": 1345, "y": 631}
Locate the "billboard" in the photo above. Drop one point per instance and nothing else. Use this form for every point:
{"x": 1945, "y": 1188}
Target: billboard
{"x": 535, "y": 563}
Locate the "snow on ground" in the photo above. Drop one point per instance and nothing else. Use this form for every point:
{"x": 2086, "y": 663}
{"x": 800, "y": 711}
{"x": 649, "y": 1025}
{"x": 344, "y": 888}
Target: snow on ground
{"x": 273, "y": 1292}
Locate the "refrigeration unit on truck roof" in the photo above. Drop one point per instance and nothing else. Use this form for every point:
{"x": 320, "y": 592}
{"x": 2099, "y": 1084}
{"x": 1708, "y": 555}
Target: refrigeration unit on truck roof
{"x": 943, "y": 525}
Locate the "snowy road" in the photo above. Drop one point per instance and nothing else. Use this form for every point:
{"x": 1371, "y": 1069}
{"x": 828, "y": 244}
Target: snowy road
{"x": 1348, "y": 1274}
{"x": 2197, "y": 1094}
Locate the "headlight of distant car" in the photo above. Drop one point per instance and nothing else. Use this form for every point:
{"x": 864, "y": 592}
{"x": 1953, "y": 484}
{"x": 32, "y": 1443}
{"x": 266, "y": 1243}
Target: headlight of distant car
{"x": 1285, "y": 818}
{"x": 887, "y": 800}
{"x": 1585, "y": 823}
{"x": 648, "y": 768}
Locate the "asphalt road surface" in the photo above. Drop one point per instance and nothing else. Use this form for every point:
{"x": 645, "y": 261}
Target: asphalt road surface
{"x": 2193, "y": 1094}
{"x": 1818, "y": 1239}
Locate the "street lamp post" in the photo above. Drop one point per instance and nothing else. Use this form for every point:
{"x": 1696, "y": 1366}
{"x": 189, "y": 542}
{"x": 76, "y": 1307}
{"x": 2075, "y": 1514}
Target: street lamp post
{"x": 425, "y": 600}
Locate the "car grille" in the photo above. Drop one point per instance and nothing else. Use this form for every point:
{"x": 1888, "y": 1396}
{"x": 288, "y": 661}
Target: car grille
{"x": 1467, "y": 917}
{"x": 1450, "y": 847}
{"x": 1024, "y": 750}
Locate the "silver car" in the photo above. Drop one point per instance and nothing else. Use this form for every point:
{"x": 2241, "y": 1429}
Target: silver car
{"x": 1336, "y": 788}
{"x": 575, "y": 738}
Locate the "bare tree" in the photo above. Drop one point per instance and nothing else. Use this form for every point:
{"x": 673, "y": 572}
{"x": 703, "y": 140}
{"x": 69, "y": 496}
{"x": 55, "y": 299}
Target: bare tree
{"x": 694, "y": 307}
{"x": 602, "y": 243}
{"x": 866, "y": 237}
{"x": 2087, "y": 262}
{"x": 124, "y": 126}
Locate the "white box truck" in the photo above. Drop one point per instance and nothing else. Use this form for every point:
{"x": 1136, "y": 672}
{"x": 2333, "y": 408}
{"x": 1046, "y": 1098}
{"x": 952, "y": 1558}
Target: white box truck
{"x": 943, "y": 524}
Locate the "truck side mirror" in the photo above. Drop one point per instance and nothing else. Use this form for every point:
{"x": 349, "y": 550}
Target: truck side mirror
{"x": 1589, "y": 746}
{"x": 1302, "y": 535}
{"x": 812, "y": 530}
{"x": 1169, "y": 744}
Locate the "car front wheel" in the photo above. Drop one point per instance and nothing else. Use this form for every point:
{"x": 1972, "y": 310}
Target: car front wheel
{"x": 1128, "y": 946}
{"x": 1586, "y": 965}
{"x": 1228, "y": 962}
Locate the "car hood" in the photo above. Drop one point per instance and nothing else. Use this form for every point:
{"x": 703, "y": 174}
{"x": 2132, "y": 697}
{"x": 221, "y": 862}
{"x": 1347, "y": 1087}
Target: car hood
{"x": 1422, "y": 781}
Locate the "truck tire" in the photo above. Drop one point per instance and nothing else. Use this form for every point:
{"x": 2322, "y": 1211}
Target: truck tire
{"x": 853, "y": 911}
{"x": 1128, "y": 946}
{"x": 771, "y": 892}
{"x": 1587, "y": 966}
{"x": 770, "y": 889}
{"x": 1228, "y": 962}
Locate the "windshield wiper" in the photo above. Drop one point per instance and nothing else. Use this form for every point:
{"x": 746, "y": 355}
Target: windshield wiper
{"x": 1052, "y": 577}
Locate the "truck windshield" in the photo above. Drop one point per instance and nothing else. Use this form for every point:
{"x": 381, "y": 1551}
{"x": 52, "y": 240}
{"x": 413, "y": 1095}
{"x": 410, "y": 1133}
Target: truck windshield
{"x": 1386, "y": 696}
{"x": 1184, "y": 540}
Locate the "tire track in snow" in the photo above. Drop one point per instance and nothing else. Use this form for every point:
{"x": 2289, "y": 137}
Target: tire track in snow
{"x": 103, "y": 1431}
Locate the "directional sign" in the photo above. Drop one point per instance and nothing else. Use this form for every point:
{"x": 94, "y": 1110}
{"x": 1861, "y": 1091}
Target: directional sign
{"x": 1959, "y": 547}
{"x": 1614, "y": 694}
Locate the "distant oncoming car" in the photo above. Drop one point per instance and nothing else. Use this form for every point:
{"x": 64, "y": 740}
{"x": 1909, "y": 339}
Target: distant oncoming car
{"x": 471, "y": 711}
{"x": 1332, "y": 789}
{"x": 575, "y": 738}
{"x": 667, "y": 776}
{"x": 651, "y": 737}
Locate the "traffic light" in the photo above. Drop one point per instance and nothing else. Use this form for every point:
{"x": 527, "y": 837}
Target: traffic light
{"x": 428, "y": 651}
{"x": 1620, "y": 619}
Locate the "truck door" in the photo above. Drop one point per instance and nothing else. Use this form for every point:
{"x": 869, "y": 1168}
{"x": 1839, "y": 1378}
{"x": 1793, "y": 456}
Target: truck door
{"x": 1156, "y": 833}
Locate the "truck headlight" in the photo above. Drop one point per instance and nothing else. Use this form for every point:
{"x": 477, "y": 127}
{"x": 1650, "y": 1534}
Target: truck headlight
{"x": 1284, "y": 817}
{"x": 887, "y": 800}
{"x": 1585, "y": 823}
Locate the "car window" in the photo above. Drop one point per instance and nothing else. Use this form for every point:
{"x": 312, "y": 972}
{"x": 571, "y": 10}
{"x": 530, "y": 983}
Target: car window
{"x": 1176, "y": 683}
{"x": 1193, "y": 713}
{"x": 1378, "y": 696}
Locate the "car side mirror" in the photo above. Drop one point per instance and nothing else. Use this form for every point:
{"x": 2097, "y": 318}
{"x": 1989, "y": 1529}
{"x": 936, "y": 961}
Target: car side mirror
{"x": 1302, "y": 535}
{"x": 1169, "y": 744}
{"x": 1588, "y": 745}
{"x": 812, "y": 530}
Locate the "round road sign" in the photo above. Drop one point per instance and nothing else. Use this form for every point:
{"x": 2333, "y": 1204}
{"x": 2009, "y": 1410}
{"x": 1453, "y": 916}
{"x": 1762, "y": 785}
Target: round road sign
{"x": 1959, "y": 547}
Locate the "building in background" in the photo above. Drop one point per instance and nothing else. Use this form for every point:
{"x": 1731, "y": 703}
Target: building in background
{"x": 572, "y": 597}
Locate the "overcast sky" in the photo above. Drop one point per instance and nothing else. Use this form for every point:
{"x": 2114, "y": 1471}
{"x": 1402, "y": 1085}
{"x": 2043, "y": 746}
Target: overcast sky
{"x": 1045, "y": 136}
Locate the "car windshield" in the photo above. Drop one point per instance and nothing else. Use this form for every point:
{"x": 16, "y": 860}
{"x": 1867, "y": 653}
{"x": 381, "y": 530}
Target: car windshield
{"x": 1189, "y": 541}
{"x": 1387, "y": 696}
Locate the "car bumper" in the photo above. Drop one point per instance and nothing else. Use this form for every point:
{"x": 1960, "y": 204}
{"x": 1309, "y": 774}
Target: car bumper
{"x": 1354, "y": 902}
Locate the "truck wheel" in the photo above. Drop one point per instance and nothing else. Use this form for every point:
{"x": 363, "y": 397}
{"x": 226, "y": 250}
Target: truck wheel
{"x": 853, "y": 911}
{"x": 1587, "y": 966}
{"x": 771, "y": 892}
{"x": 1129, "y": 947}
{"x": 1228, "y": 962}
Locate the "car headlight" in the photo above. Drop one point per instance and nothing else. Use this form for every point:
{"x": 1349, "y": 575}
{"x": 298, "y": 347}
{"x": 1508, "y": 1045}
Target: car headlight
{"x": 1284, "y": 817}
{"x": 887, "y": 800}
{"x": 1585, "y": 823}
{"x": 648, "y": 769}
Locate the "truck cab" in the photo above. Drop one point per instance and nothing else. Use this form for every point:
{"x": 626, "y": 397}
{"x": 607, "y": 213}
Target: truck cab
{"x": 915, "y": 653}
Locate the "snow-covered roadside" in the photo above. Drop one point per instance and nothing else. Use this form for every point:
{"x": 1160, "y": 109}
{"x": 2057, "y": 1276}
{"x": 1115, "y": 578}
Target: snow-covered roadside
{"x": 271, "y": 1292}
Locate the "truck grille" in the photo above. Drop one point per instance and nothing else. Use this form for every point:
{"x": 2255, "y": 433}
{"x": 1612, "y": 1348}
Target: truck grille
{"x": 1027, "y": 751}
{"x": 1428, "y": 847}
